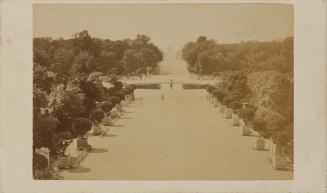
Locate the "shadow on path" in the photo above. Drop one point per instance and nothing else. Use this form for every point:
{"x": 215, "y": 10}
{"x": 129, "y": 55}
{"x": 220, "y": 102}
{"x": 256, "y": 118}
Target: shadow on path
{"x": 98, "y": 150}
{"x": 129, "y": 112}
{"x": 125, "y": 118}
{"x": 118, "y": 126}
{"x": 80, "y": 170}
{"x": 110, "y": 135}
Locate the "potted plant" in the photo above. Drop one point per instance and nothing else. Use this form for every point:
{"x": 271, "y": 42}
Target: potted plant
{"x": 125, "y": 92}
{"x": 260, "y": 126}
{"x": 121, "y": 97}
{"x": 279, "y": 159}
{"x": 236, "y": 106}
{"x": 96, "y": 116}
{"x": 210, "y": 88}
{"x": 106, "y": 107}
{"x": 247, "y": 115}
{"x": 227, "y": 100}
{"x": 228, "y": 113}
{"x": 62, "y": 140}
{"x": 40, "y": 167}
{"x": 114, "y": 113}
{"x": 82, "y": 126}
{"x": 131, "y": 87}
{"x": 218, "y": 95}
{"x": 259, "y": 143}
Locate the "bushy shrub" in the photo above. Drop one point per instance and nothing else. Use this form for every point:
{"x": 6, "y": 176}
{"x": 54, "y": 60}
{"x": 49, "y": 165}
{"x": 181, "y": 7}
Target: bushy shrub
{"x": 114, "y": 100}
{"x": 61, "y": 140}
{"x": 219, "y": 94}
{"x": 126, "y": 91}
{"x": 120, "y": 95}
{"x": 210, "y": 88}
{"x": 132, "y": 87}
{"x": 43, "y": 129}
{"x": 247, "y": 114}
{"x": 96, "y": 115}
{"x": 106, "y": 106}
{"x": 118, "y": 85}
{"x": 228, "y": 99}
{"x": 235, "y": 105}
{"x": 82, "y": 126}
{"x": 260, "y": 125}
{"x": 40, "y": 163}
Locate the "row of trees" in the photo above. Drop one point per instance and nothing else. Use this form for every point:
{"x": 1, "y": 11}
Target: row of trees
{"x": 68, "y": 95}
{"x": 207, "y": 57}
{"x": 86, "y": 54}
{"x": 257, "y": 75}
{"x": 267, "y": 97}
{"x": 66, "y": 113}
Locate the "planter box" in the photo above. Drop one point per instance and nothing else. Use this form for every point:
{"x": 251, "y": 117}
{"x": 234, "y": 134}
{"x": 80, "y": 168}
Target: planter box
{"x": 63, "y": 162}
{"x": 96, "y": 130}
{"x": 74, "y": 162}
{"x": 228, "y": 113}
{"x": 259, "y": 144}
{"x": 222, "y": 108}
{"x": 235, "y": 120}
{"x": 279, "y": 162}
{"x": 246, "y": 130}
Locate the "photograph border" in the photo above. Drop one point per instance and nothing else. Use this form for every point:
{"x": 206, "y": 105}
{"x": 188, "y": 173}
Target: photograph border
{"x": 309, "y": 110}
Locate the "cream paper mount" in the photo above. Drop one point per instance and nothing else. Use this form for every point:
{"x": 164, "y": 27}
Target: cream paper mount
{"x": 21, "y": 21}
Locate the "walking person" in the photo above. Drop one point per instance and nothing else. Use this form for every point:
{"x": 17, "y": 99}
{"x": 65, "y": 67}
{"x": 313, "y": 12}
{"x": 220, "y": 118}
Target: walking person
{"x": 171, "y": 84}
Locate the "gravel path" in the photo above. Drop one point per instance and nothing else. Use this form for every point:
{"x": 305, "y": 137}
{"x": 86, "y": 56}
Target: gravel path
{"x": 182, "y": 137}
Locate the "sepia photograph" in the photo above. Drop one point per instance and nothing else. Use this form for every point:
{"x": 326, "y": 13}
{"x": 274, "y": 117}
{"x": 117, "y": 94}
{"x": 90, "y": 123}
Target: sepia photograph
{"x": 163, "y": 91}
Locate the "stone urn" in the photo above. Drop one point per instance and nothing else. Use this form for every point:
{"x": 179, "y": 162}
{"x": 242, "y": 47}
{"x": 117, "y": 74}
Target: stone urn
{"x": 75, "y": 162}
{"x": 63, "y": 162}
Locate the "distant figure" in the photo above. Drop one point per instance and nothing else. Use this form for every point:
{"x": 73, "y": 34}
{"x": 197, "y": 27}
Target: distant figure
{"x": 162, "y": 97}
{"x": 171, "y": 84}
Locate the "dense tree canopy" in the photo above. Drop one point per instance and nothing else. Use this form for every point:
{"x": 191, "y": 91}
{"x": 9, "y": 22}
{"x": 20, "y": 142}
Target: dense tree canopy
{"x": 85, "y": 54}
{"x": 67, "y": 82}
{"x": 259, "y": 74}
{"x": 206, "y": 56}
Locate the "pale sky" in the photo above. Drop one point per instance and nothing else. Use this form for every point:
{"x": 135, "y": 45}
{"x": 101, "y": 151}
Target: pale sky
{"x": 166, "y": 24}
